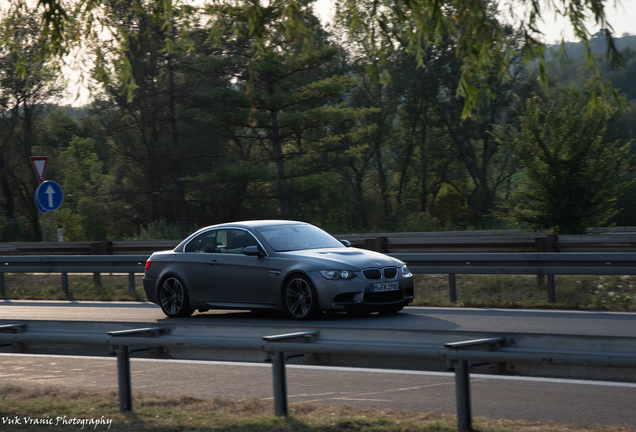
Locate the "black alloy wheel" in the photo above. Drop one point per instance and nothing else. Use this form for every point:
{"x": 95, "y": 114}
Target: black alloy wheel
{"x": 173, "y": 298}
{"x": 299, "y": 298}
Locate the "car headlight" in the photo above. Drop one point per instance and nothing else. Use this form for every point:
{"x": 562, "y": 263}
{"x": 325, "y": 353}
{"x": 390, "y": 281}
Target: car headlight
{"x": 406, "y": 272}
{"x": 337, "y": 274}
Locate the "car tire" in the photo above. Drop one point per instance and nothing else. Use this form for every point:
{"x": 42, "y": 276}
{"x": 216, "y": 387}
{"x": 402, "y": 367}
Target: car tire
{"x": 173, "y": 298}
{"x": 299, "y": 298}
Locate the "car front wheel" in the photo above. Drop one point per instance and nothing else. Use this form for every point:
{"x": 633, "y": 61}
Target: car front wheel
{"x": 299, "y": 298}
{"x": 173, "y": 298}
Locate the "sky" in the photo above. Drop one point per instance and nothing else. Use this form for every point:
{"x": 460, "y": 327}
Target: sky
{"x": 622, "y": 18}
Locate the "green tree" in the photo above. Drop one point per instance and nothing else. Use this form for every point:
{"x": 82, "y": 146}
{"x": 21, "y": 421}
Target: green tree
{"x": 145, "y": 124}
{"x": 572, "y": 173}
{"x": 27, "y": 89}
{"x": 295, "y": 91}
{"x": 85, "y": 213}
{"x": 481, "y": 40}
{"x": 423, "y": 141}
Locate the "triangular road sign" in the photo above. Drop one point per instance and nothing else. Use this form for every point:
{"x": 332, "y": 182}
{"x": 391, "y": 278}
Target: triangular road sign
{"x": 39, "y": 166}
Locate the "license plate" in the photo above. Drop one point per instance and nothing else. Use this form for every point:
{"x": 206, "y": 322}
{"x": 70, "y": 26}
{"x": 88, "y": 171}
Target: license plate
{"x": 392, "y": 286}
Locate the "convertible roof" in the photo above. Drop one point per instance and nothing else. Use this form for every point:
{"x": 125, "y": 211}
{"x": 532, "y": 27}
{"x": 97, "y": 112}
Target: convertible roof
{"x": 257, "y": 223}
{"x": 243, "y": 224}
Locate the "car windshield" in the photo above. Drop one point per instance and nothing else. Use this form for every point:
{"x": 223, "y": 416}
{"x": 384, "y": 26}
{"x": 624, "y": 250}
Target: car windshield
{"x": 283, "y": 238}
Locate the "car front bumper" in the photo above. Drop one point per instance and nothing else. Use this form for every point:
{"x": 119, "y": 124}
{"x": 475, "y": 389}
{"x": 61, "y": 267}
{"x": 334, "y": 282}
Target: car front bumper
{"x": 355, "y": 294}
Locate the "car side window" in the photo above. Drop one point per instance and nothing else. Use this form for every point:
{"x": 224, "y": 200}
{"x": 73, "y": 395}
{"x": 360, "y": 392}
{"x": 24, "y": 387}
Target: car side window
{"x": 204, "y": 243}
{"x": 233, "y": 241}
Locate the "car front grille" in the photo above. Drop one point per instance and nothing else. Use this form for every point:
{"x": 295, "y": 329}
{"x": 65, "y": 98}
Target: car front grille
{"x": 390, "y": 272}
{"x": 372, "y": 274}
{"x": 376, "y": 274}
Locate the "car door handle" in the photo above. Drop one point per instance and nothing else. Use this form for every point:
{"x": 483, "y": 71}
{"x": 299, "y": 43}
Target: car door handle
{"x": 213, "y": 262}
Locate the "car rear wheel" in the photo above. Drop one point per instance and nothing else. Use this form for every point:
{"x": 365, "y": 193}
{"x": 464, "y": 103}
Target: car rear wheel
{"x": 299, "y": 298}
{"x": 173, "y": 298}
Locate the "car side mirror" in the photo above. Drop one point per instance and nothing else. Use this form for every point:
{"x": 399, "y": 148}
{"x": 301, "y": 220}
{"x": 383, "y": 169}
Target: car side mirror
{"x": 253, "y": 251}
{"x": 347, "y": 243}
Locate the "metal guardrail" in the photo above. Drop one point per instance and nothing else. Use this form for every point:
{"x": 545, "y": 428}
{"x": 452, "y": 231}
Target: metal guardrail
{"x": 542, "y": 263}
{"x": 65, "y": 264}
{"x": 142, "y": 247}
{"x": 460, "y": 356}
{"x": 597, "y": 240}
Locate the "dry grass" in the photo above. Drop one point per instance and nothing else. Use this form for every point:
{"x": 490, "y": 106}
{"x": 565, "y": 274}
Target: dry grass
{"x": 24, "y": 286}
{"x": 616, "y": 293}
{"x": 167, "y": 414}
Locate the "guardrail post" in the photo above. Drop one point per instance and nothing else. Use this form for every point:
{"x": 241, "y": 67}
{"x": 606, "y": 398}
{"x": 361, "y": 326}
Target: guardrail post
{"x": 65, "y": 283}
{"x": 278, "y": 367}
{"x": 131, "y": 284}
{"x": 462, "y": 395}
{"x": 1, "y": 284}
{"x": 551, "y": 289}
{"x": 452, "y": 283}
{"x": 462, "y": 378}
{"x": 99, "y": 248}
{"x": 280, "y": 384}
{"x": 377, "y": 244}
{"x": 123, "y": 362}
{"x": 123, "y": 378}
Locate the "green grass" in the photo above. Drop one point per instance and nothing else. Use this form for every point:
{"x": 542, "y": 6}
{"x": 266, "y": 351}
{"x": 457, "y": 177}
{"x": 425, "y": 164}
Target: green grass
{"x": 615, "y": 293}
{"x": 81, "y": 287}
{"x": 166, "y": 414}
{"x": 612, "y": 293}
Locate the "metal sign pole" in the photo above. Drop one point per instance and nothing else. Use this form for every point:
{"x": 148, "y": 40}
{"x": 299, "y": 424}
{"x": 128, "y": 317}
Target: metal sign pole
{"x": 52, "y": 230}
{"x": 43, "y": 228}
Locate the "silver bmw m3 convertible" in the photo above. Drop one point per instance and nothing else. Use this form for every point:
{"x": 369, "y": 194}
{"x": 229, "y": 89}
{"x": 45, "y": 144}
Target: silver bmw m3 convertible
{"x": 290, "y": 266}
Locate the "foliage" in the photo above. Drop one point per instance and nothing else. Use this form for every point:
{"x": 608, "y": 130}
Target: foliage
{"x": 573, "y": 173}
{"x": 27, "y": 87}
{"x": 200, "y": 117}
{"x": 159, "y": 230}
{"x": 416, "y": 24}
{"x": 85, "y": 210}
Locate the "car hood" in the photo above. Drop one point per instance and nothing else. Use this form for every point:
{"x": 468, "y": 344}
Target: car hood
{"x": 345, "y": 258}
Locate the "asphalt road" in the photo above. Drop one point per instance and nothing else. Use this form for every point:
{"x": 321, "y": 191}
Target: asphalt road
{"x": 493, "y": 396}
{"x": 562, "y": 401}
{"x": 417, "y": 318}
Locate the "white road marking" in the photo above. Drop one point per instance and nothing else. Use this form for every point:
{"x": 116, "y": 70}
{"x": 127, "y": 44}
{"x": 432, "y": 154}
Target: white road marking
{"x": 303, "y": 395}
{"x": 340, "y": 369}
{"x": 530, "y": 311}
{"x": 366, "y": 400}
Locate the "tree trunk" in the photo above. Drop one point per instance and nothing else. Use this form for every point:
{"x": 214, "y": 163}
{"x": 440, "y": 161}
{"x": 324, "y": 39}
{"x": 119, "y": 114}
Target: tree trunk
{"x": 181, "y": 202}
{"x": 280, "y": 163}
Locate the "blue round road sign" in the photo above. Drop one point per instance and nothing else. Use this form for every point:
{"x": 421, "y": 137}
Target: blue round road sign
{"x": 37, "y": 203}
{"x": 49, "y": 196}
